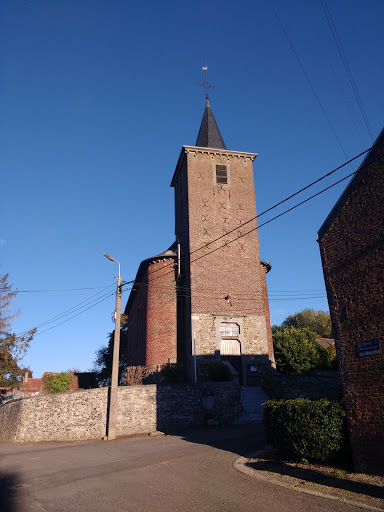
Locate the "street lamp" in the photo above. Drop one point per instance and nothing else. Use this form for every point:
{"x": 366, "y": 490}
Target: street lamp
{"x": 115, "y": 361}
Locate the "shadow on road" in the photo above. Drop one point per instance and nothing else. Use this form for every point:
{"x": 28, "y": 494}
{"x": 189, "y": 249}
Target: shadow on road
{"x": 310, "y": 475}
{"x": 238, "y": 439}
{"x": 8, "y": 493}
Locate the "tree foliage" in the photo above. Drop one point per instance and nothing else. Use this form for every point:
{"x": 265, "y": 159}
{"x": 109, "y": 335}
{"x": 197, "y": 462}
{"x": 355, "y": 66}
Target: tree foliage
{"x": 316, "y": 321}
{"x": 297, "y": 351}
{"x": 12, "y": 347}
{"x": 56, "y": 382}
{"x": 103, "y": 361}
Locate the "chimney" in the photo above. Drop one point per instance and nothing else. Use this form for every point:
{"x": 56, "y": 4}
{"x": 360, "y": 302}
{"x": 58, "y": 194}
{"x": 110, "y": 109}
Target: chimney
{"x": 25, "y": 378}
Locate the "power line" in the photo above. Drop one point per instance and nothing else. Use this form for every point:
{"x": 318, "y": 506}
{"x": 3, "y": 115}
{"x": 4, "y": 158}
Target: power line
{"x": 287, "y": 198}
{"x": 224, "y": 290}
{"x": 267, "y": 222}
{"x": 268, "y": 210}
{"x": 77, "y": 314}
{"x": 244, "y": 296}
{"x": 67, "y": 312}
{"x": 276, "y": 217}
{"x": 196, "y": 259}
{"x": 347, "y": 67}
{"x": 104, "y": 297}
{"x": 308, "y": 79}
{"x": 65, "y": 289}
{"x": 335, "y": 75}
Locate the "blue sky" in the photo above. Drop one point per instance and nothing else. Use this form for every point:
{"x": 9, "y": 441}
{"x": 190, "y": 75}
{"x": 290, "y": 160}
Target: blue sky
{"x": 97, "y": 98}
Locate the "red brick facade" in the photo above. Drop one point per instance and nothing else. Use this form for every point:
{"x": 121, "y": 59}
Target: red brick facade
{"x": 352, "y": 251}
{"x": 222, "y": 274}
{"x": 220, "y": 281}
{"x": 151, "y": 311}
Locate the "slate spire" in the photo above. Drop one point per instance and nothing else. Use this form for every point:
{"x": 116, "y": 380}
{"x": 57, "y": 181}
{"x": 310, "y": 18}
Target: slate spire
{"x": 209, "y": 133}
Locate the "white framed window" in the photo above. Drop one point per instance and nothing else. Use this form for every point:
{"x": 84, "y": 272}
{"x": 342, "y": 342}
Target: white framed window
{"x": 229, "y": 329}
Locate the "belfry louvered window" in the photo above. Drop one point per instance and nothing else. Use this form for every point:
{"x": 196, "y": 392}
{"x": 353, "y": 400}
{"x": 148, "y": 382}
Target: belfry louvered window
{"x": 221, "y": 174}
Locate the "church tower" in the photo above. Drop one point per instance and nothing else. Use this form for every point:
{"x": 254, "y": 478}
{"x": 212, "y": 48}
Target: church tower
{"x": 222, "y": 305}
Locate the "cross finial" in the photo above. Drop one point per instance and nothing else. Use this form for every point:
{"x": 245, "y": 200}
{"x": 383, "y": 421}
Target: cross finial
{"x": 205, "y": 82}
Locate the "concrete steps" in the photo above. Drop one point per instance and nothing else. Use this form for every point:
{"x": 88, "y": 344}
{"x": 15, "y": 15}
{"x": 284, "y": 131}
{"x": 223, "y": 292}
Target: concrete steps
{"x": 252, "y": 399}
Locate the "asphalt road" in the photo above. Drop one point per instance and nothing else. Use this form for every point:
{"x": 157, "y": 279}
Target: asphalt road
{"x": 190, "y": 472}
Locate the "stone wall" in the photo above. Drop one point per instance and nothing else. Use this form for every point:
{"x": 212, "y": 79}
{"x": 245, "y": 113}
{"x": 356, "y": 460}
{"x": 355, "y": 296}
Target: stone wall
{"x": 81, "y": 415}
{"x": 314, "y": 385}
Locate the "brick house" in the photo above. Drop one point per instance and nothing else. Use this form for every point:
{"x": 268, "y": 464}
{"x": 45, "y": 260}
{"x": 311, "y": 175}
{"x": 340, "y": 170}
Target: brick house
{"x": 352, "y": 251}
{"x": 35, "y": 386}
{"x": 205, "y": 300}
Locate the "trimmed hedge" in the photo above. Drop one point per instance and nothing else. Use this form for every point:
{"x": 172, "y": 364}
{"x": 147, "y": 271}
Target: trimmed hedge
{"x": 305, "y": 429}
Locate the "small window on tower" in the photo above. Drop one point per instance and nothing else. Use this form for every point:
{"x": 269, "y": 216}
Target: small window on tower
{"x": 229, "y": 329}
{"x": 221, "y": 175}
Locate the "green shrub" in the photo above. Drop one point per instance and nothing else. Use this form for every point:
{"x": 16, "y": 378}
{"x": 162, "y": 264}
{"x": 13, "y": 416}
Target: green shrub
{"x": 297, "y": 351}
{"x": 57, "y": 382}
{"x": 306, "y": 429}
{"x": 220, "y": 372}
{"x": 328, "y": 359}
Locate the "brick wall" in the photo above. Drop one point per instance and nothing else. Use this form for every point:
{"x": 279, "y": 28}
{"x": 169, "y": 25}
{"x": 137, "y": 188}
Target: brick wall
{"x": 213, "y": 211}
{"x": 151, "y": 311}
{"x": 205, "y": 211}
{"x": 352, "y": 251}
{"x": 81, "y": 415}
{"x": 136, "y": 311}
{"x": 161, "y": 313}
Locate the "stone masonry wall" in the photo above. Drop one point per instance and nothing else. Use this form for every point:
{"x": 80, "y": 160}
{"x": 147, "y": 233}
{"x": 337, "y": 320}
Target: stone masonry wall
{"x": 313, "y": 385}
{"x": 81, "y": 415}
{"x": 252, "y": 337}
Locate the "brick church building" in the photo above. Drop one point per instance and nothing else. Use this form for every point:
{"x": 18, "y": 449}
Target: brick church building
{"x": 204, "y": 300}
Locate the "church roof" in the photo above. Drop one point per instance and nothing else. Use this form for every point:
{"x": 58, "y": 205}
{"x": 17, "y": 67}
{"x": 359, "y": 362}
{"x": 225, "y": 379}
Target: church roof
{"x": 209, "y": 133}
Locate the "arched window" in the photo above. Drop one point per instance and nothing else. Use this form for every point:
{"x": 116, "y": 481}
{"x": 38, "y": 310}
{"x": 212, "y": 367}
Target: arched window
{"x": 229, "y": 329}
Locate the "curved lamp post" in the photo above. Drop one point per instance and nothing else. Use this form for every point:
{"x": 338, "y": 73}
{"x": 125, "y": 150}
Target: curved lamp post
{"x": 115, "y": 361}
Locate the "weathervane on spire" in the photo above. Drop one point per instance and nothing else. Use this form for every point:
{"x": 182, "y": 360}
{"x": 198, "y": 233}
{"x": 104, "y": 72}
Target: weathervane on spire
{"x": 205, "y": 82}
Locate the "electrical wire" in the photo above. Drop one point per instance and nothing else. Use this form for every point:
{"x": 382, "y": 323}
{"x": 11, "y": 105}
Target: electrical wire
{"x": 308, "y": 79}
{"x": 276, "y": 217}
{"x": 347, "y": 67}
{"x": 93, "y": 303}
{"x": 67, "y": 312}
{"x": 332, "y": 69}
{"x": 265, "y": 223}
{"x": 269, "y": 209}
{"x": 77, "y": 314}
{"x": 65, "y": 289}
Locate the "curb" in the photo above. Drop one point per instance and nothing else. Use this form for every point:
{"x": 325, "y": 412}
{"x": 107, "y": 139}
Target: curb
{"x": 295, "y": 484}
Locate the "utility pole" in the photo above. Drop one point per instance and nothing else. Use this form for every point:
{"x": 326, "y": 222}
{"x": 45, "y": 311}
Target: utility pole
{"x": 115, "y": 361}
